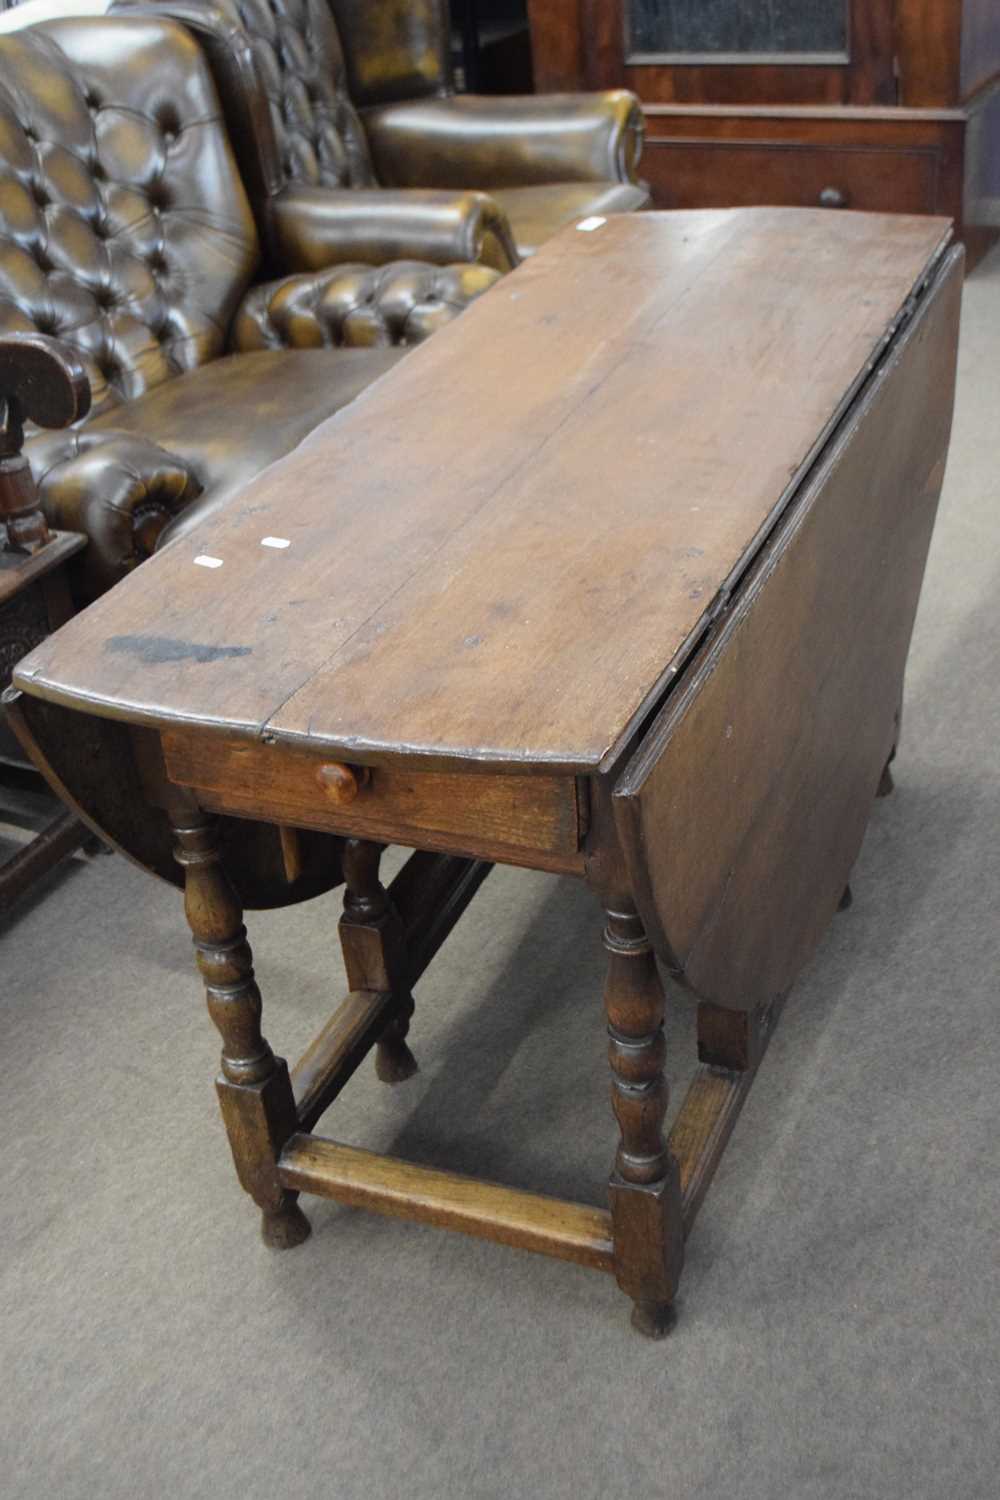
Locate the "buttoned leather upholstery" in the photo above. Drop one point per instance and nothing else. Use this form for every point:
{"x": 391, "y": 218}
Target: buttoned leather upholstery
{"x": 318, "y": 131}
{"x": 299, "y": 126}
{"x": 125, "y": 231}
{"x": 280, "y": 71}
{"x": 279, "y": 68}
{"x": 363, "y": 306}
{"x": 545, "y": 161}
{"x": 533, "y": 155}
{"x": 312, "y": 226}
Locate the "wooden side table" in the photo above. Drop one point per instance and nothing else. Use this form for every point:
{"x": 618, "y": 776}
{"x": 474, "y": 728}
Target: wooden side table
{"x": 34, "y": 592}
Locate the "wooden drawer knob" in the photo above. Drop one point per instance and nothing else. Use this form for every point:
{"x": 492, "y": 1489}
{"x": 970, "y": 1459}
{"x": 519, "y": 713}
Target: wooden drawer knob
{"x": 340, "y": 783}
{"x": 832, "y": 197}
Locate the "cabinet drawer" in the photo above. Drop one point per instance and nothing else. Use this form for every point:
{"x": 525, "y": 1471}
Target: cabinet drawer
{"x": 468, "y": 813}
{"x": 738, "y": 174}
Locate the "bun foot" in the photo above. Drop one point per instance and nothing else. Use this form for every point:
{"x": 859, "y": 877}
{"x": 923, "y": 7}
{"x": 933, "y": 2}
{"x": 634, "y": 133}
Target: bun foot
{"x": 846, "y": 900}
{"x": 653, "y": 1320}
{"x": 394, "y": 1062}
{"x": 285, "y": 1227}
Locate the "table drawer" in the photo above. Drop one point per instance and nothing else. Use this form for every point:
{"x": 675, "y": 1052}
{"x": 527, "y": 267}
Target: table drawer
{"x": 476, "y": 813}
{"x": 734, "y": 173}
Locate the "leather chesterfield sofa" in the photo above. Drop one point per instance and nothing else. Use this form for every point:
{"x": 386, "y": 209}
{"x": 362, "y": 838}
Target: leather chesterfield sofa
{"x": 353, "y": 143}
{"x": 126, "y": 235}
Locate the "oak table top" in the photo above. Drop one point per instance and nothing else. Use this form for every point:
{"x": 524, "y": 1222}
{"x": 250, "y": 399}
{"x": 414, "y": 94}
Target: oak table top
{"x": 505, "y": 549}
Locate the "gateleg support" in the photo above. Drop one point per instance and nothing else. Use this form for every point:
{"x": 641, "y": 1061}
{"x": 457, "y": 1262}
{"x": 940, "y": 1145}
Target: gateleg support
{"x": 375, "y": 956}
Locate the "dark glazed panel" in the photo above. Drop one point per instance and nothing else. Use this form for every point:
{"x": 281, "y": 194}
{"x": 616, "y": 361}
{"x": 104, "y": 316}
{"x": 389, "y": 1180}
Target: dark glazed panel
{"x": 714, "y": 27}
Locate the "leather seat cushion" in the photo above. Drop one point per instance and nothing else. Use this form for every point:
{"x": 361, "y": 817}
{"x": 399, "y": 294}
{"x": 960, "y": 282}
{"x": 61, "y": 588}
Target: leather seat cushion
{"x": 228, "y": 420}
{"x": 536, "y": 213}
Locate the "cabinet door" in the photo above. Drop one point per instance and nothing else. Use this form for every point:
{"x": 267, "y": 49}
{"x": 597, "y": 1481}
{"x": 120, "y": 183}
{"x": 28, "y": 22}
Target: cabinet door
{"x": 719, "y": 51}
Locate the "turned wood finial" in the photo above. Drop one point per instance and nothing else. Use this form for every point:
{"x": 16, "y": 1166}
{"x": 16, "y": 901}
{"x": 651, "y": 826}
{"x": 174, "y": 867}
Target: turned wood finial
{"x": 42, "y": 381}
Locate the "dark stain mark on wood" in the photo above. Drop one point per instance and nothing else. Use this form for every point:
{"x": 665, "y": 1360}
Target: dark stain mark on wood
{"x": 164, "y": 648}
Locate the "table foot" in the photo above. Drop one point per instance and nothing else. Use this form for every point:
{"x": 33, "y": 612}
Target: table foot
{"x": 284, "y": 1227}
{"x": 846, "y": 900}
{"x": 394, "y": 1062}
{"x": 886, "y": 785}
{"x": 654, "y": 1320}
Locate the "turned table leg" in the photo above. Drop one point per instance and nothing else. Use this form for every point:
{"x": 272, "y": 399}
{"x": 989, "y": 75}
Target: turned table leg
{"x": 644, "y": 1188}
{"x": 375, "y": 956}
{"x": 254, "y": 1089}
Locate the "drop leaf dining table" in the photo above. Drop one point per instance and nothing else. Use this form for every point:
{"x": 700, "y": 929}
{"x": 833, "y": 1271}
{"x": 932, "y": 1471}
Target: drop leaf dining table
{"x": 614, "y": 577}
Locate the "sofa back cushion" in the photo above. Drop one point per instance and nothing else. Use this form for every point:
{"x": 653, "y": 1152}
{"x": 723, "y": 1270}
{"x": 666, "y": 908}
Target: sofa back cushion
{"x": 395, "y": 49}
{"x": 300, "y": 64}
{"x": 124, "y": 227}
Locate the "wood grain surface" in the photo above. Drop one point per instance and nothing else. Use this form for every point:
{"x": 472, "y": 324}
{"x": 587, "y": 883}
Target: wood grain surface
{"x": 746, "y": 805}
{"x": 284, "y": 784}
{"x": 400, "y": 1189}
{"x": 499, "y": 551}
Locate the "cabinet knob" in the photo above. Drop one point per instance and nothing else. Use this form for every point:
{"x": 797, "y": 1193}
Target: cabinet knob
{"x": 832, "y": 197}
{"x": 340, "y": 783}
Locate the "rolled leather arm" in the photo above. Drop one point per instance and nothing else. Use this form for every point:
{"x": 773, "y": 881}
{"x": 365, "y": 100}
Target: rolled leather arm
{"x": 474, "y": 141}
{"x": 317, "y": 227}
{"x": 118, "y": 488}
{"x": 357, "y": 306}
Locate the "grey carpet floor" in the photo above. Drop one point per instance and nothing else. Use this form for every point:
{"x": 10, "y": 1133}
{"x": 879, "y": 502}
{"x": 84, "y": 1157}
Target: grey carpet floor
{"x": 840, "y": 1311}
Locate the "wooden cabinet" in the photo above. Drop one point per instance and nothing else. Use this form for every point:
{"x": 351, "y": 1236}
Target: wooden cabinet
{"x": 888, "y": 105}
